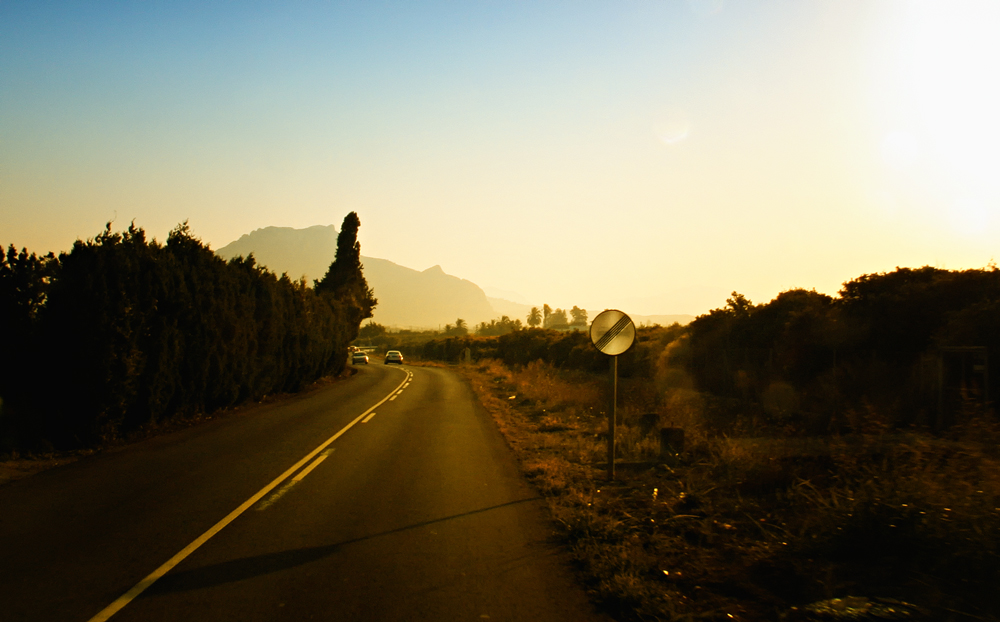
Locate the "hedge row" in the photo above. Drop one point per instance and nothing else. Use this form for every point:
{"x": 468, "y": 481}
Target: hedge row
{"x": 123, "y": 332}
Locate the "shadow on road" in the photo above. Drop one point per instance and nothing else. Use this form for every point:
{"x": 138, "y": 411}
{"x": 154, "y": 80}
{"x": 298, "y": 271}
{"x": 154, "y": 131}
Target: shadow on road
{"x": 247, "y": 567}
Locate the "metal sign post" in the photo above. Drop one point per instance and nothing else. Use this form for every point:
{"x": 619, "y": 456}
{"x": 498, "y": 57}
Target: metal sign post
{"x": 613, "y": 417}
{"x": 613, "y": 333}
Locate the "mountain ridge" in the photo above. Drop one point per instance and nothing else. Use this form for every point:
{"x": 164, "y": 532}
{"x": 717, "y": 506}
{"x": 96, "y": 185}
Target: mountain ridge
{"x": 407, "y": 298}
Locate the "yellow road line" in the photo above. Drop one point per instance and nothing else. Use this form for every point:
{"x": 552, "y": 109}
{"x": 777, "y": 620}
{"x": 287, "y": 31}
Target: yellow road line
{"x": 305, "y": 471}
{"x": 141, "y": 586}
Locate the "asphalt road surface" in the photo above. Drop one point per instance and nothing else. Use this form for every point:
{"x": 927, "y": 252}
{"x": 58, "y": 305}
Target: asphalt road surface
{"x": 287, "y": 511}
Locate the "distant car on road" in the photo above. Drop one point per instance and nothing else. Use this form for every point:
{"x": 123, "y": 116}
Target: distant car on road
{"x": 359, "y": 358}
{"x": 394, "y": 356}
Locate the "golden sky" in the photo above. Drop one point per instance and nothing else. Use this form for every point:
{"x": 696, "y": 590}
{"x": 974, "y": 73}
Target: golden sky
{"x": 647, "y": 155}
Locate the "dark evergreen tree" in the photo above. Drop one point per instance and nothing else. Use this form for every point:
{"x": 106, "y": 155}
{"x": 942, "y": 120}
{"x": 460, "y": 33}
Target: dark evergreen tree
{"x": 141, "y": 332}
{"x": 345, "y": 280}
{"x": 24, "y": 280}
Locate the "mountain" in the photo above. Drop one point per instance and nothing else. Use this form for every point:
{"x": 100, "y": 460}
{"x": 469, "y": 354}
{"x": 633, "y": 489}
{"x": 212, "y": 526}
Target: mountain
{"x": 297, "y": 252}
{"x": 513, "y": 310}
{"x": 429, "y": 299}
{"x": 507, "y": 295}
{"x": 407, "y": 298}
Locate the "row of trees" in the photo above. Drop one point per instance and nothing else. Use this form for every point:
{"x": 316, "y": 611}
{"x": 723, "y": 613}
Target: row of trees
{"x": 123, "y": 332}
{"x": 908, "y": 344}
{"x": 556, "y": 319}
{"x": 500, "y": 326}
{"x": 546, "y": 317}
{"x": 571, "y": 350}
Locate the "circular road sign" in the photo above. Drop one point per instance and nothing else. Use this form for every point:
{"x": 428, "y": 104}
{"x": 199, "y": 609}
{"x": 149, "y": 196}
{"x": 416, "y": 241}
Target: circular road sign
{"x": 612, "y": 332}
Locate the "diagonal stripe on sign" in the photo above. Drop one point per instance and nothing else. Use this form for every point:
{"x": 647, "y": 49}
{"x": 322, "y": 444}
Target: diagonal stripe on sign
{"x": 613, "y": 332}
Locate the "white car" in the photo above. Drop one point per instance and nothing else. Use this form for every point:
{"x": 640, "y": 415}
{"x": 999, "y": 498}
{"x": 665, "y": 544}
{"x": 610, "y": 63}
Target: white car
{"x": 359, "y": 358}
{"x": 394, "y": 356}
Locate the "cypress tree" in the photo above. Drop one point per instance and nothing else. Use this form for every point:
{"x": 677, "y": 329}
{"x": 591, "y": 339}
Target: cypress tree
{"x": 345, "y": 280}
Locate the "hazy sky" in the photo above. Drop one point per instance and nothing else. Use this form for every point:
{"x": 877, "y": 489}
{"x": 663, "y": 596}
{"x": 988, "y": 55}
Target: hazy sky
{"x": 646, "y": 155}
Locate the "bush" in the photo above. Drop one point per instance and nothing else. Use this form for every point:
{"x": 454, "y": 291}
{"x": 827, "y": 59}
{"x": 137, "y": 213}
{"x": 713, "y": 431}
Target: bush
{"x": 123, "y": 333}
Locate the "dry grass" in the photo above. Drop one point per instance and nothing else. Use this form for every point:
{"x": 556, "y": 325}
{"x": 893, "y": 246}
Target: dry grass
{"x": 748, "y": 528}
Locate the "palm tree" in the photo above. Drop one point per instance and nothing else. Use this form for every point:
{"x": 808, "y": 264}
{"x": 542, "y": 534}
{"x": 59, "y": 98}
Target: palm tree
{"x": 535, "y": 317}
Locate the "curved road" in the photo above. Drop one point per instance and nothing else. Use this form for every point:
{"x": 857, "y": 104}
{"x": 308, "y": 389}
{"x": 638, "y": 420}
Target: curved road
{"x": 414, "y": 512}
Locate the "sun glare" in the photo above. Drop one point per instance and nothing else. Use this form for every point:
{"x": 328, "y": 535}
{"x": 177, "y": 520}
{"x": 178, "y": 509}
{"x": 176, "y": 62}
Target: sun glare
{"x": 899, "y": 150}
{"x": 673, "y": 126}
{"x": 970, "y": 216}
{"x": 947, "y": 94}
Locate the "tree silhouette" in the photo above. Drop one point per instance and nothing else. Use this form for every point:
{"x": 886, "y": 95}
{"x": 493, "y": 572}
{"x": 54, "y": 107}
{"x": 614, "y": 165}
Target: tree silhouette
{"x": 24, "y": 283}
{"x": 534, "y": 317}
{"x": 557, "y": 320}
{"x": 154, "y": 330}
{"x": 739, "y": 304}
{"x": 546, "y": 312}
{"x": 460, "y": 329}
{"x": 579, "y": 316}
{"x": 344, "y": 280}
{"x": 498, "y": 327}
{"x": 371, "y": 329}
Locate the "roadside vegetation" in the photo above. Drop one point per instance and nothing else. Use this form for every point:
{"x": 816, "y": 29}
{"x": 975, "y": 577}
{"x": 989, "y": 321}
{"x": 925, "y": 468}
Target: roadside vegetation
{"x": 378, "y": 337}
{"x": 833, "y": 448}
{"x": 123, "y": 335}
{"x": 749, "y": 527}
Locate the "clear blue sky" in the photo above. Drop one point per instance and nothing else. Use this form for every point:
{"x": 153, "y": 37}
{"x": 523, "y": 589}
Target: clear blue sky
{"x": 647, "y": 155}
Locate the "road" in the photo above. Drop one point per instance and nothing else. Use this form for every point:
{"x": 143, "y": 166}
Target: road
{"x": 286, "y": 511}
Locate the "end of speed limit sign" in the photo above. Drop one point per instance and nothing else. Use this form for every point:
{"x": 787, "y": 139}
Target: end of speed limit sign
{"x": 612, "y": 332}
